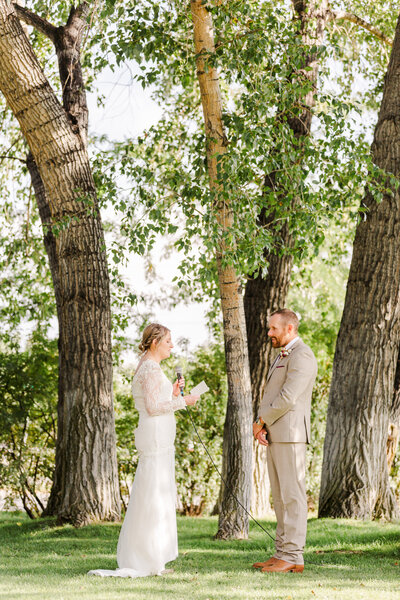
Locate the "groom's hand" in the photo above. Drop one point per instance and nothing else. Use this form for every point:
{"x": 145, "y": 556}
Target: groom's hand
{"x": 257, "y": 427}
{"x": 261, "y": 437}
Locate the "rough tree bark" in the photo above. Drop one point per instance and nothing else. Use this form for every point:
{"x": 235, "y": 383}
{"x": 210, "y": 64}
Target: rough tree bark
{"x": 85, "y": 484}
{"x": 264, "y": 295}
{"x": 233, "y": 520}
{"x": 364, "y": 397}
{"x": 394, "y": 419}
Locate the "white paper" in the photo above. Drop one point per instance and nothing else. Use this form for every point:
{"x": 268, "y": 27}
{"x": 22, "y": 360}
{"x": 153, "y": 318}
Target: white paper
{"x": 201, "y": 388}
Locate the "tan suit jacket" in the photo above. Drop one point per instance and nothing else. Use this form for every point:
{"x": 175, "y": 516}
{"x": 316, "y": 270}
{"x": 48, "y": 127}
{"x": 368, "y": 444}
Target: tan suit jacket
{"x": 286, "y": 403}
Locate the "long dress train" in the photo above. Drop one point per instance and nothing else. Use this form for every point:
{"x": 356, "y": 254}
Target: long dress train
{"x": 148, "y": 538}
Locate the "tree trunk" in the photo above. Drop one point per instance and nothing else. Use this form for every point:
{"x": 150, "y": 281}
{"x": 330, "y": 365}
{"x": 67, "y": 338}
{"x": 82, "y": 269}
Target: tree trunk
{"x": 363, "y": 395}
{"x": 264, "y": 295}
{"x": 85, "y": 484}
{"x": 386, "y": 503}
{"x": 237, "y": 444}
{"x": 394, "y": 420}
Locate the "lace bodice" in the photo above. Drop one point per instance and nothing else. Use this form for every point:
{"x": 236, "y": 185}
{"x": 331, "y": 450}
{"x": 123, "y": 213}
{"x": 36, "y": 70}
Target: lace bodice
{"x": 152, "y": 390}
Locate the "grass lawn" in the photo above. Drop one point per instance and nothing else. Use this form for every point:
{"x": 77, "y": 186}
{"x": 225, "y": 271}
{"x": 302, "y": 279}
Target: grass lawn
{"x": 344, "y": 560}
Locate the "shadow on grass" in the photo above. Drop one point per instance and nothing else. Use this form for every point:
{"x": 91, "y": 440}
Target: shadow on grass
{"x": 338, "y": 553}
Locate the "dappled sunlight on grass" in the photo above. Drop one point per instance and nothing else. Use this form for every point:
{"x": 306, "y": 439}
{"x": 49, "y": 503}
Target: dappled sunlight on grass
{"x": 344, "y": 560}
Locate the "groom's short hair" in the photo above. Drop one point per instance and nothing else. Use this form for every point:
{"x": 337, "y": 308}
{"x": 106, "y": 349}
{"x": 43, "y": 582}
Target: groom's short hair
{"x": 288, "y": 316}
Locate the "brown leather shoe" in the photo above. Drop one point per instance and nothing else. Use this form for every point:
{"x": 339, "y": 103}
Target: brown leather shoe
{"x": 267, "y": 563}
{"x": 282, "y": 566}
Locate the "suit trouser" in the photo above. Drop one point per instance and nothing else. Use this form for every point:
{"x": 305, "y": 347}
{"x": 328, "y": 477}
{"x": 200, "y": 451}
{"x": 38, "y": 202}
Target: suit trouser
{"x": 287, "y": 474}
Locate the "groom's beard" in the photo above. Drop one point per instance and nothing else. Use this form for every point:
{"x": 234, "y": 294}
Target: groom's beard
{"x": 279, "y": 342}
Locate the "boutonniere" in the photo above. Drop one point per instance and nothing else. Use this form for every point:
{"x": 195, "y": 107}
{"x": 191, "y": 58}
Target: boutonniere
{"x": 285, "y": 352}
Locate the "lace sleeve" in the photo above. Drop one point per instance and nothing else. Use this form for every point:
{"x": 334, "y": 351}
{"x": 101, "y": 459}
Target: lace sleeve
{"x": 150, "y": 377}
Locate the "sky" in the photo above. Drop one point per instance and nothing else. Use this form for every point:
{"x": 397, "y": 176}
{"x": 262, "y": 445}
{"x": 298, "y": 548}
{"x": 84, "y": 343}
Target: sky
{"x": 127, "y": 112}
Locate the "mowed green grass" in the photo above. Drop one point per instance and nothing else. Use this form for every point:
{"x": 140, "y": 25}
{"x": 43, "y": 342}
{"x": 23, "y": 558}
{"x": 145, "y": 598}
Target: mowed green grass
{"x": 344, "y": 560}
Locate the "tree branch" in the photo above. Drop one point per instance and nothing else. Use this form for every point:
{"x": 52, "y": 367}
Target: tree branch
{"x": 79, "y": 13}
{"x": 7, "y": 157}
{"x": 68, "y": 42}
{"x": 31, "y": 18}
{"x": 346, "y": 16}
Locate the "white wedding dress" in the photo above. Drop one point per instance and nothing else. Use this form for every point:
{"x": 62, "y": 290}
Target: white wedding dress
{"x": 148, "y": 538}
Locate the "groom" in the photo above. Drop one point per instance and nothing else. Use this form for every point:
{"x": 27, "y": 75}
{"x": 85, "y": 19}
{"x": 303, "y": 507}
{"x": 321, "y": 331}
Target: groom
{"x": 284, "y": 426}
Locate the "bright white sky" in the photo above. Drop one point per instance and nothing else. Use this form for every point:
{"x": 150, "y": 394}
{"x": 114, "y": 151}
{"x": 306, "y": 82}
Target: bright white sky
{"x": 128, "y": 111}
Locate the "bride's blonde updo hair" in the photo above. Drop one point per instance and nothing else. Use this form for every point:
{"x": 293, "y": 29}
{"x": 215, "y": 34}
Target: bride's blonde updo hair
{"x": 151, "y": 332}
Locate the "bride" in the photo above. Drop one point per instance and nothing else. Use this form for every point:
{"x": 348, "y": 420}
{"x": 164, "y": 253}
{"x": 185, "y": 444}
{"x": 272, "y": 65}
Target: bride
{"x": 148, "y": 538}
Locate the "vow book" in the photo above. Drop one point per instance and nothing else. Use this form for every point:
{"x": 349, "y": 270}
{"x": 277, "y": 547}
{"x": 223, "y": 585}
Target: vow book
{"x": 199, "y": 389}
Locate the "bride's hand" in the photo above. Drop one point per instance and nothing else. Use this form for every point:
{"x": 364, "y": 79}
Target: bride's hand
{"x": 190, "y": 399}
{"x": 178, "y": 385}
